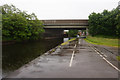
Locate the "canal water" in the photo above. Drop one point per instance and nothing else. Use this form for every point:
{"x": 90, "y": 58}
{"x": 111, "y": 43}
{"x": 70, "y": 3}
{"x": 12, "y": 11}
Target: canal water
{"x": 16, "y": 55}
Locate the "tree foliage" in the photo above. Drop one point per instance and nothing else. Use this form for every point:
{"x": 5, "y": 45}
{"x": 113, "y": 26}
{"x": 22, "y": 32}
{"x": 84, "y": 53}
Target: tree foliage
{"x": 18, "y": 25}
{"x": 73, "y": 33}
{"x": 118, "y": 25}
{"x": 105, "y": 23}
{"x": 0, "y": 23}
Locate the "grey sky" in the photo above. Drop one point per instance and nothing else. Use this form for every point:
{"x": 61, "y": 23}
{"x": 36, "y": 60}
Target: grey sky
{"x": 63, "y": 9}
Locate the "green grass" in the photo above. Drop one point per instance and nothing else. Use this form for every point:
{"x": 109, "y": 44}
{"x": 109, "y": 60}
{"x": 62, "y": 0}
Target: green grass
{"x": 101, "y": 40}
{"x": 118, "y": 58}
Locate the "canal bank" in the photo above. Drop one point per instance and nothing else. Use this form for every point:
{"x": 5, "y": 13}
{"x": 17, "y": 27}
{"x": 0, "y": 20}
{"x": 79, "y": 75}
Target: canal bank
{"x": 74, "y": 60}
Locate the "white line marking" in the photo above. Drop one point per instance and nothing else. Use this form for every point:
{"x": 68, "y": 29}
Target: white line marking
{"x": 75, "y": 46}
{"x": 101, "y": 56}
{"x": 100, "y": 52}
{"x": 71, "y": 59}
{"x": 105, "y": 59}
{"x": 79, "y": 41}
{"x": 97, "y": 52}
{"x": 105, "y": 55}
{"x": 111, "y": 64}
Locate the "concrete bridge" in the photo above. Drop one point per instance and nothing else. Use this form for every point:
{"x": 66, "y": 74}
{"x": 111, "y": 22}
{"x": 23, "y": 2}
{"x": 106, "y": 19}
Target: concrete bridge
{"x": 66, "y": 24}
{"x": 56, "y": 27}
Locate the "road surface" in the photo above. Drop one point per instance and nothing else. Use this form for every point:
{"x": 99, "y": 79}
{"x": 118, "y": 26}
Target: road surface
{"x": 75, "y": 60}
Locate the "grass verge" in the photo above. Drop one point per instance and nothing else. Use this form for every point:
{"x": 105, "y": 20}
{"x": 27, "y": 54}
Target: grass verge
{"x": 118, "y": 58}
{"x": 100, "y": 40}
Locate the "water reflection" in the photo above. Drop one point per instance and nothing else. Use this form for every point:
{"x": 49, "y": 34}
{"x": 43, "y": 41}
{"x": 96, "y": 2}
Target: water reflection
{"x": 16, "y": 55}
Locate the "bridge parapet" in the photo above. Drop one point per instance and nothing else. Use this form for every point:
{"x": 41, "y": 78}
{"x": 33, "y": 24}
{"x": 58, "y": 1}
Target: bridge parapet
{"x": 65, "y": 22}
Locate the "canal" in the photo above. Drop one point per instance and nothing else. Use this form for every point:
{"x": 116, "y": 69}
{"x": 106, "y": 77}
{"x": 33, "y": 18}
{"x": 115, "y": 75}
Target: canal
{"x": 16, "y": 55}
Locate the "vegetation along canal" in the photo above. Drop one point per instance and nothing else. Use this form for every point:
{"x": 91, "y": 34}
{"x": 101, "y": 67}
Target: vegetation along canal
{"x": 16, "y": 55}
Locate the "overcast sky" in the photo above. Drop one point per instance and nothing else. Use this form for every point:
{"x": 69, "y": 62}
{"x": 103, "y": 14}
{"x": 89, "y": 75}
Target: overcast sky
{"x": 62, "y": 9}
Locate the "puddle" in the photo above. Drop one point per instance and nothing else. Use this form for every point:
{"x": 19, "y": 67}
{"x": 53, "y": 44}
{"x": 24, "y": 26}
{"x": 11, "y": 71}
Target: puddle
{"x": 67, "y": 51}
{"x": 90, "y": 51}
{"x": 70, "y": 47}
{"x": 71, "y": 44}
{"x": 82, "y": 48}
{"x": 76, "y": 51}
{"x": 37, "y": 71}
{"x": 61, "y": 55}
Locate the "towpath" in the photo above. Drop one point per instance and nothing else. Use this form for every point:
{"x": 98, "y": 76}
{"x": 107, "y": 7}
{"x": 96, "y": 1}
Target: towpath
{"x": 78, "y": 59}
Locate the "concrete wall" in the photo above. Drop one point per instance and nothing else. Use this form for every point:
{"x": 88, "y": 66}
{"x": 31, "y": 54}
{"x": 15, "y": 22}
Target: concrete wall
{"x": 58, "y": 33}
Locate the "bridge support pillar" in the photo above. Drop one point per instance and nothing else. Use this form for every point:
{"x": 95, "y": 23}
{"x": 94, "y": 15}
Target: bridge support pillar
{"x": 87, "y": 32}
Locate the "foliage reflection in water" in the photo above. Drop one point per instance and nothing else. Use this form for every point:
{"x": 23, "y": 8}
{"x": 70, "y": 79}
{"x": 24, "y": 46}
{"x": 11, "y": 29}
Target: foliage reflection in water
{"x": 16, "y": 55}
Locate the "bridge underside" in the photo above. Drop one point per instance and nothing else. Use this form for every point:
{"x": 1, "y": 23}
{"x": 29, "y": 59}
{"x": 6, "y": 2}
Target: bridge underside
{"x": 58, "y": 31}
{"x": 55, "y": 28}
{"x": 53, "y": 32}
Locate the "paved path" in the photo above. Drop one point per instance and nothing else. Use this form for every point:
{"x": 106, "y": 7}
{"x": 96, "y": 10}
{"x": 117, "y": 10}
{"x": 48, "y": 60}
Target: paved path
{"x": 72, "y": 61}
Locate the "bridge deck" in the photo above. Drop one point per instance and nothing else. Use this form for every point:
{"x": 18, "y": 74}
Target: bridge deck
{"x": 65, "y": 22}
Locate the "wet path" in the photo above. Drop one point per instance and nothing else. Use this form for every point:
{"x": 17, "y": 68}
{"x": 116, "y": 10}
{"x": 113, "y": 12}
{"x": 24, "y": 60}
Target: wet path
{"x": 16, "y": 55}
{"x": 69, "y": 61}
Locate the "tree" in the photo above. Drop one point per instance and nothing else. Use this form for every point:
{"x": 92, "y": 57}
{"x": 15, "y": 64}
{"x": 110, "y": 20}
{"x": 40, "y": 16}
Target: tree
{"x": 19, "y": 25}
{"x": 0, "y": 23}
{"x": 105, "y": 23}
{"x": 118, "y": 25}
{"x": 72, "y": 33}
